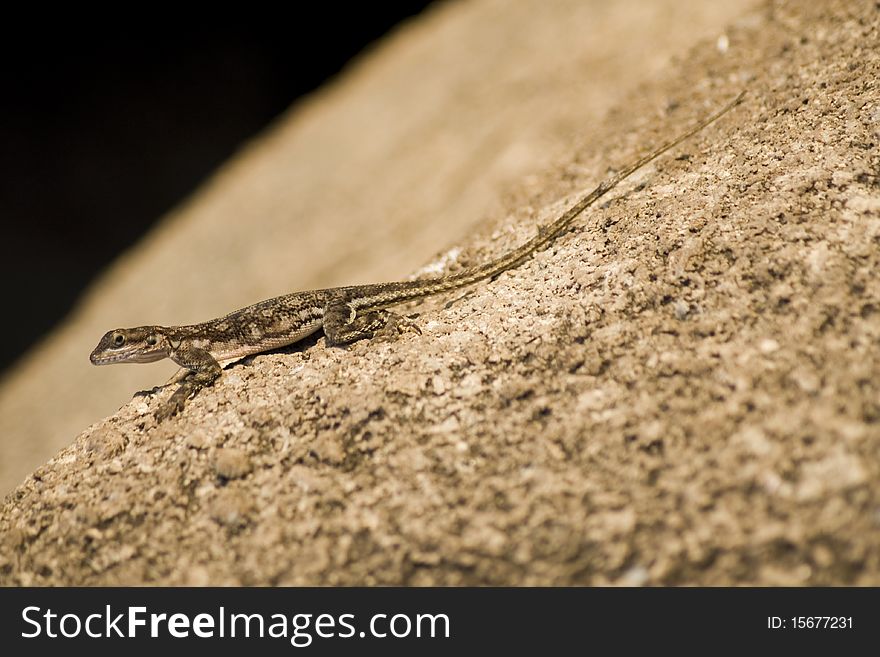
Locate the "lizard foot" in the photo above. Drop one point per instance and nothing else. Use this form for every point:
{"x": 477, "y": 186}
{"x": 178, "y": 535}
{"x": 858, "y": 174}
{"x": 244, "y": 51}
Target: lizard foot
{"x": 174, "y": 405}
{"x": 169, "y": 408}
{"x": 395, "y": 325}
{"x": 343, "y": 325}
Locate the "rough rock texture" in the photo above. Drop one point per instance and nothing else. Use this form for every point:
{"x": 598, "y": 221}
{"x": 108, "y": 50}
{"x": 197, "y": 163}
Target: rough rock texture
{"x": 681, "y": 390}
{"x": 365, "y": 181}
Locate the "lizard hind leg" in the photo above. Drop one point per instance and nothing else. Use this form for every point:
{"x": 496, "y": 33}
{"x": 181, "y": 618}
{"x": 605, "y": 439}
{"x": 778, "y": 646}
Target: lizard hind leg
{"x": 344, "y": 325}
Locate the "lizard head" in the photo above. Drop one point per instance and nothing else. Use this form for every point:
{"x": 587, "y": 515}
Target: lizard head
{"x": 143, "y": 344}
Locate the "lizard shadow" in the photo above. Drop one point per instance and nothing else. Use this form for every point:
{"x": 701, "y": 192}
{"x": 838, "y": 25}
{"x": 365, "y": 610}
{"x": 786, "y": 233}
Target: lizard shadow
{"x": 302, "y": 345}
{"x": 297, "y": 347}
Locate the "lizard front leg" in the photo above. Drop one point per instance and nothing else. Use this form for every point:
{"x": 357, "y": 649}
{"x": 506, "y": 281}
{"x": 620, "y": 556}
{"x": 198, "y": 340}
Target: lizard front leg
{"x": 203, "y": 371}
{"x": 343, "y": 324}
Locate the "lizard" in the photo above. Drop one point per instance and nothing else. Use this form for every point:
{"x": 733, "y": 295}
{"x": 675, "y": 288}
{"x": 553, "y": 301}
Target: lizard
{"x": 346, "y": 314}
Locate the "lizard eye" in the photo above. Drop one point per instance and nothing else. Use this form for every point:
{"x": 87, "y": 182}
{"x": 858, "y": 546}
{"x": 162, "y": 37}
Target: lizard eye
{"x": 152, "y": 340}
{"x": 119, "y": 339}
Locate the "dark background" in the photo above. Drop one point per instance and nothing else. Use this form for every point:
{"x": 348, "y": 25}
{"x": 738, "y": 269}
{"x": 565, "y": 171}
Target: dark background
{"x": 107, "y": 122}
{"x": 482, "y": 620}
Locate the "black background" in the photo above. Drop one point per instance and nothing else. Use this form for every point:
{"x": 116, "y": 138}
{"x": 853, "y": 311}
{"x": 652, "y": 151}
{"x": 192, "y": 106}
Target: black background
{"x": 492, "y": 621}
{"x": 107, "y": 121}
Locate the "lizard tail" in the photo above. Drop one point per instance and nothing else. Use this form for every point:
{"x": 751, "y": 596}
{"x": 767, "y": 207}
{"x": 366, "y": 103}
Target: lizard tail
{"x": 412, "y": 290}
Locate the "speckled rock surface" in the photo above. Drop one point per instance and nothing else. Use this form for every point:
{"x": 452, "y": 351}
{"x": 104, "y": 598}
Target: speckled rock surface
{"x": 400, "y": 157}
{"x": 681, "y": 390}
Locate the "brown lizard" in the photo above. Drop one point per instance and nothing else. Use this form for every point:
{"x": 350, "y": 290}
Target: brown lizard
{"x": 346, "y": 314}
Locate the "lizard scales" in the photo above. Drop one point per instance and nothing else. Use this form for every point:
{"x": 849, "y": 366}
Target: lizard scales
{"x": 346, "y": 314}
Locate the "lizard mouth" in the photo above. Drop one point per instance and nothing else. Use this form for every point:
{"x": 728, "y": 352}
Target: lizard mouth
{"x": 106, "y": 359}
{"x": 125, "y": 357}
